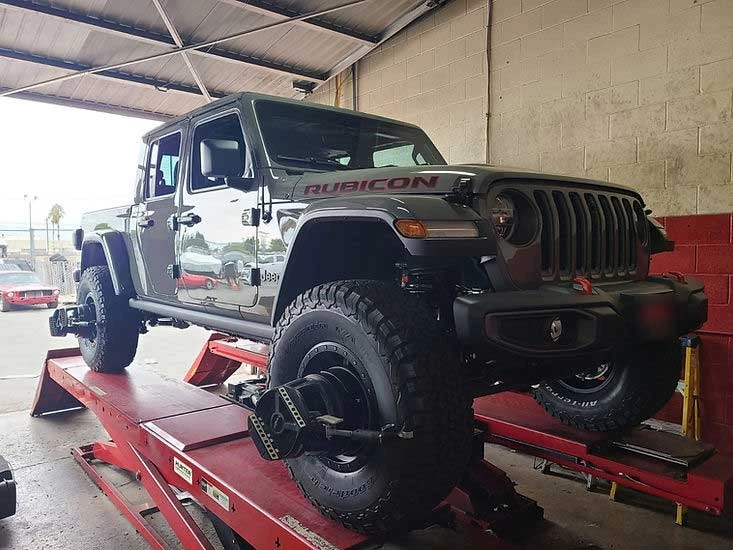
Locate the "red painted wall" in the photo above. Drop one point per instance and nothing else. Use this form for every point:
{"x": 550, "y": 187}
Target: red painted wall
{"x": 704, "y": 249}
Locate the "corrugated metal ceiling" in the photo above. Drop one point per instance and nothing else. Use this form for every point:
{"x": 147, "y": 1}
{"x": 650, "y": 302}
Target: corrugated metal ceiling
{"x": 41, "y": 40}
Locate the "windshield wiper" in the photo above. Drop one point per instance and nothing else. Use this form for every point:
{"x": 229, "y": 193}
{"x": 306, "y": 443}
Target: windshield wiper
{"x": 316, "y": 161}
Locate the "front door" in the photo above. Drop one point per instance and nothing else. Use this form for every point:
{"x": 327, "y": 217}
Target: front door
{"x": 217, "y": 246}
{"x": 150, "y": 218}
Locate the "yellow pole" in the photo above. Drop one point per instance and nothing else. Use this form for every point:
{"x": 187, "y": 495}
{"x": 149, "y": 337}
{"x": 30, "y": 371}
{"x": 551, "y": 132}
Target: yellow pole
{"x": 687, "y": 393}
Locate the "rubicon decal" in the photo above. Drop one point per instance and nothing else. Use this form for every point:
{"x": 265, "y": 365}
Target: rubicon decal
{"x": 379, "y": 184}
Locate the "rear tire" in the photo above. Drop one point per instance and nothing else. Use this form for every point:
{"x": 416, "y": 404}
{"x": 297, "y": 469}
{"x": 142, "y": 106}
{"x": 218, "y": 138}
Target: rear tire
{"x": 395, "y": 345}
{"x": 634, "y": 386}
{"x": 113, "y": 344}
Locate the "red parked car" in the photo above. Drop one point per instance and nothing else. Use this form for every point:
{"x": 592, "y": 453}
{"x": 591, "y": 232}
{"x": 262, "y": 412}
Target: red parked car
{"x": 24, "y": 288}
{"x": 194, "y": 280}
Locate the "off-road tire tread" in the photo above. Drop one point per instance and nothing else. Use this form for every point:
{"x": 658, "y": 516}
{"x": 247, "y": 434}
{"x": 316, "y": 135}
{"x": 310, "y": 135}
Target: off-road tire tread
{"x": 654, "y": 385}
{"x": 117, "y": 347}
{"x": 425, "y": 369}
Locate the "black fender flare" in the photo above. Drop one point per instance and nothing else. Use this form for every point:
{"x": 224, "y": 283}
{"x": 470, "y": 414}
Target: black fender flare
{"x": 114, "y": 248}
{"x": 384, "y": 212}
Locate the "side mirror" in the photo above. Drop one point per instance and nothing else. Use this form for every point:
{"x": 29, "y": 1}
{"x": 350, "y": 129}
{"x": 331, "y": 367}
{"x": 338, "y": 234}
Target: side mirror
{"x": 221, "y": 158}
{"x": 224, "y": 158}
{"x": 243, "y": 184}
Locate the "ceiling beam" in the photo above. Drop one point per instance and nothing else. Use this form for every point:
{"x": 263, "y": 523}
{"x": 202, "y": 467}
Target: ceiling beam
{"x": 179, "y": 42}
{"x": 175, "y": 51}
{"x": 155, "y": 38}
{"x": 92, "y": 106}
{"x": 159, "y": 85}
{"x": 267, "y": 8}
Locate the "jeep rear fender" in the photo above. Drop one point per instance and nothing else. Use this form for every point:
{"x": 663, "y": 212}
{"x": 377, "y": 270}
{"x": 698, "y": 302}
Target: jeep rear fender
{"x": 109, "y": 248}
{"x": 355, "y": 238}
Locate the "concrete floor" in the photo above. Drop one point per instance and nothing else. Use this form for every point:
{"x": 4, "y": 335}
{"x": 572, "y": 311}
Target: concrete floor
{"x": 60, "y": 508}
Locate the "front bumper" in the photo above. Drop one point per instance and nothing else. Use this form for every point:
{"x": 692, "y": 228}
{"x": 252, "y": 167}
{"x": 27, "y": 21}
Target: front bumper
{"x": 19, "y": 301}
{"x": 518, "y": 322}
{"x": 7, "y": 490}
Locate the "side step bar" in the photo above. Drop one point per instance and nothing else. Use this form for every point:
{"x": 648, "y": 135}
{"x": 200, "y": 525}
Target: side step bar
{"x": 240, "y": 327}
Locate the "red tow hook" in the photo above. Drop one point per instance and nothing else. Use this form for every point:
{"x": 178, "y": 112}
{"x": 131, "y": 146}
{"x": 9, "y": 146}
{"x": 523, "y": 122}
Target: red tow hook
{"x": 677, "y": 275}
{"x": 583, "y": 285}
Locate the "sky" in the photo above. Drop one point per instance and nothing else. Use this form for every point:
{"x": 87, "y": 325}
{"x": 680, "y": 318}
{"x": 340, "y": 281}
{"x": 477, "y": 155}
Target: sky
{"x": 82, "y": 160}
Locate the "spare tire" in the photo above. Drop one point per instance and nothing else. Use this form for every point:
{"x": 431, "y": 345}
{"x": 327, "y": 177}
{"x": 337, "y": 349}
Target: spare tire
{"x": 618, "y": 394}
{"x": 392, "y": 343}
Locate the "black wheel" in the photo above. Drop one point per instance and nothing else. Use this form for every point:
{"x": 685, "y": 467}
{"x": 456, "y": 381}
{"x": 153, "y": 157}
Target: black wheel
{"x": 4, "y": 306}
{"x": 387, "y": 348}
{"x": 52, "y": 305}
{"x": 617, "y": 394}
{"x": 209, "y": 284}
{"x": 111, "y": 342}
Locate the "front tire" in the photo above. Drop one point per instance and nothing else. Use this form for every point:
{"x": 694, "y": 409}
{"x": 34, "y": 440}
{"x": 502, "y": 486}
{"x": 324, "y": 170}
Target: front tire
{"x": 111, "y": 345}
{"x": 394, "y": 344}
{"x": 4, "y": 306}
{"x": 52, "y": 305}
{"x": 616, "y": 395}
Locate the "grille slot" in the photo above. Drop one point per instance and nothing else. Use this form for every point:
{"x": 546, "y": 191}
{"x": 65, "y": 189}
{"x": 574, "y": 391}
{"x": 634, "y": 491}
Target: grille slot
{"x": 547, "y": 235}
{"x": 565, "y": 243}
{"x": 623, "y": 235}
{"x": 588, "y": 233}
{"x": 633, "y": 234}
{"x": 581, "y": 233}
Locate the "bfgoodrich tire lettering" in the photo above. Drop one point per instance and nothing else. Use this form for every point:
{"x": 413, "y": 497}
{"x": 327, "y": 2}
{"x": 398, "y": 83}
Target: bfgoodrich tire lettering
{"x": 641, "y": 381}
{"x": 113, "y": 345}
{"x": 417, "y": 384}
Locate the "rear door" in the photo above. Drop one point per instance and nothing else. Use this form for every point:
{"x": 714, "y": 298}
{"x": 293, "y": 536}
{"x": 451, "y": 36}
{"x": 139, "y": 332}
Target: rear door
{"x": 217, "y": 249}
{"x": 149, "y": 222}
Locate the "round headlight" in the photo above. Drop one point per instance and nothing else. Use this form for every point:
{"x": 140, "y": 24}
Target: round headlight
{"x": 10, "y": 294}
{"x": 503, "y": 216}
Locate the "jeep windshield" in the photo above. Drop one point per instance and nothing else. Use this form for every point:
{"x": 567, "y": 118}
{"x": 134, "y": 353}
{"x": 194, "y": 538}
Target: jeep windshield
{"x": 317, "y": 139}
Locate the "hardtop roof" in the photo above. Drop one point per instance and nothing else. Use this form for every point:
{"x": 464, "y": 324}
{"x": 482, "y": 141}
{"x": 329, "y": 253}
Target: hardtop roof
{"x": 251, "y": 96}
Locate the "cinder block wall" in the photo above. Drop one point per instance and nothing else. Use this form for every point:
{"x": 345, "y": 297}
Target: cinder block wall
{"x": 434, "y": 74}
{"x": 704, "y": 249}
{"x": 634, "y": 91}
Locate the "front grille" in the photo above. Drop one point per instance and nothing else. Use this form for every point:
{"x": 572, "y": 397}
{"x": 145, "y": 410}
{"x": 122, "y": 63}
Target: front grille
{"x": 35, "y": 293}
{"x": 591, "y": 234}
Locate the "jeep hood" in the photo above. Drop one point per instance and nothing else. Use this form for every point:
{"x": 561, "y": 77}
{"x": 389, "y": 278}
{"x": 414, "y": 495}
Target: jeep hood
{"x": 433, "y": 179}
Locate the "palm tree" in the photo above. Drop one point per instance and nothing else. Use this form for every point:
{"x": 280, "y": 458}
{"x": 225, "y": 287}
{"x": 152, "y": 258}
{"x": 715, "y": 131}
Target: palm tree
{"x": 54, "y": 216}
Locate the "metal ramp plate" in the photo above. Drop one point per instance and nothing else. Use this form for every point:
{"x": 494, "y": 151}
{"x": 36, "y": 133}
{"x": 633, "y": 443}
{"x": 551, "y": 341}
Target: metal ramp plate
{"x": 664, "y": 446}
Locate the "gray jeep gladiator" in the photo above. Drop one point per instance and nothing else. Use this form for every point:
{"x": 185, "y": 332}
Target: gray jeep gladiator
{"x": 393, "y": 288}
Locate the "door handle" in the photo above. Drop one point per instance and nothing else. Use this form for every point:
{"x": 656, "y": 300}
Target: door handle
{"x": 146, "y": 222}
{"x": 189, "y": 220}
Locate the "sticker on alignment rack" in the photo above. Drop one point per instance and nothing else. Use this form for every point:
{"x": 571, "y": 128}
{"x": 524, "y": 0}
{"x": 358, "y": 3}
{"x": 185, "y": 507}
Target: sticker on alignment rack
{"x": 215, "y": 493}
{"x": 183, "y": 470}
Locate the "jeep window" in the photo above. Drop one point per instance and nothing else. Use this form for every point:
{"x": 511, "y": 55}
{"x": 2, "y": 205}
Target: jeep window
{"x": 309, "y": 137}
{"x": 397, "y": 155}
{"x": 226, "y": 127}
{"x": 163, "y": 166}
